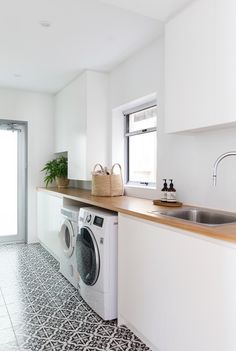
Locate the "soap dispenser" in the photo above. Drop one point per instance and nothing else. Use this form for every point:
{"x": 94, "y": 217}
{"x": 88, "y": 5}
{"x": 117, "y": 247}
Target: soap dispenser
{"x": 164, "y": 191}
{"x": 171, "y": 192}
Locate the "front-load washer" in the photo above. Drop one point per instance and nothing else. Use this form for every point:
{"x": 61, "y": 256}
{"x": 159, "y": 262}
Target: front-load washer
{"x": 67, "y": 237}
{"x": 96, "y": 256}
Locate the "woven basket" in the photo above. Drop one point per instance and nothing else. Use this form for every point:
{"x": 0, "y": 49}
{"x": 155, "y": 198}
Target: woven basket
{"x": 107, "y": 184}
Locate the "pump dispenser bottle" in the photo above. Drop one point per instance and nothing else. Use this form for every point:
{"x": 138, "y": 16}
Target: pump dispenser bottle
{"x": 171, "y": 192}
{"x": 164, "y": 191}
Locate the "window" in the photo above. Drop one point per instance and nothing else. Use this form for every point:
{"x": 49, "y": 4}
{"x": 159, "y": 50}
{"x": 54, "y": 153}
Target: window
{"x": 141, "y": 153}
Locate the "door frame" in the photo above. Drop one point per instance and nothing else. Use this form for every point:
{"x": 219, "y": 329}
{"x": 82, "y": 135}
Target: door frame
{"x": 22, "y": 183}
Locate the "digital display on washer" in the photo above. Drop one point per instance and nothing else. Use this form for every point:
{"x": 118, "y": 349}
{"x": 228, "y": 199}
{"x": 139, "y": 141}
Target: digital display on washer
{"x": 98, "y": 221}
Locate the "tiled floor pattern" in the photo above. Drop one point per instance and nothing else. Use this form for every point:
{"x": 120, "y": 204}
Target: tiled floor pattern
{"x": 40, "y": 310}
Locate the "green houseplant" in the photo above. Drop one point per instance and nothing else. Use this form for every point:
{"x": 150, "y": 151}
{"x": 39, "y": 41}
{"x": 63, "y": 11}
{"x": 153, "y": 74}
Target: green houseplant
{"x": 56, "y": 170}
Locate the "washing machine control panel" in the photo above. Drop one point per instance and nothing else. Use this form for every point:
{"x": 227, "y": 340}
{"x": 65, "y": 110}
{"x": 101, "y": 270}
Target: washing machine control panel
{"x": 98, "y": 221}
{"x": 91, "y": 219}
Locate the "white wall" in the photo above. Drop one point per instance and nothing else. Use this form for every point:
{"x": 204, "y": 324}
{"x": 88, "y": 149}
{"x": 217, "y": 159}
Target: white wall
{"x": 37, "y": 110}
{"x": 141, "y": 75}
{"x": 188, "y": 159}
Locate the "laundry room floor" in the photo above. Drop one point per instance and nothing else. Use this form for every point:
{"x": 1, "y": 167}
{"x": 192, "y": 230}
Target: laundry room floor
{"x": 40, "y": 310}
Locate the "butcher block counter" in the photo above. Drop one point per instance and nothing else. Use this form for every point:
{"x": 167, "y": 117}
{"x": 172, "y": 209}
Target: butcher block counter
{"x": 142, "y": 208}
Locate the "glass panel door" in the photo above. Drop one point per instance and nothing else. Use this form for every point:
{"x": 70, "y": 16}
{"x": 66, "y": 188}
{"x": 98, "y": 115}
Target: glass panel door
{"x": 12, "y": 182}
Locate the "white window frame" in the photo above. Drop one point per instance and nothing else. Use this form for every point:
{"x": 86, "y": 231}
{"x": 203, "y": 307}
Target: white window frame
{"x": 127, "y": 136}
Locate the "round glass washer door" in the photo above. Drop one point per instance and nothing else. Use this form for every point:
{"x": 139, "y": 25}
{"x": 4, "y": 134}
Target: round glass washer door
{"x": 66, "y": 238}
{"x": 87, "y": 255}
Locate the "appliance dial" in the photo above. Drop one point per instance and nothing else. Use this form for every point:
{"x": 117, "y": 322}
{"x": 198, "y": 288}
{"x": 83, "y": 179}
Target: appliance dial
{"x": 88, "y": 218}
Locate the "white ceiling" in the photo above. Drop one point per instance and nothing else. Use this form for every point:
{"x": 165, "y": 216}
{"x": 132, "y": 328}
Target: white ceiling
{"x": 158, "y": 9}
{"x": 84, "y": 34}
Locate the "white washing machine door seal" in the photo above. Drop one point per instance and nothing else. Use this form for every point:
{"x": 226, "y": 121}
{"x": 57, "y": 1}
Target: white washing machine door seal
{"x": 67, "y": 238}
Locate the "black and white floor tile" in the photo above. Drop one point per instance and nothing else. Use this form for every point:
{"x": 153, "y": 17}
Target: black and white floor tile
{"x": 41, "y": 311}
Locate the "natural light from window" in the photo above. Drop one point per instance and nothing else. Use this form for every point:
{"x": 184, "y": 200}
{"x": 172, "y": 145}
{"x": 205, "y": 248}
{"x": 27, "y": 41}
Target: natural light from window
{"x": 142, "y": 155}
{"x": 8, "y": 183}
{"x": 142, "y": 146}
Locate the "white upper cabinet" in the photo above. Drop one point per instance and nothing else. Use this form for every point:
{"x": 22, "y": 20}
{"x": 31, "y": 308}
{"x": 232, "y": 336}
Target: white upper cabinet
{"x": 200, "y": 70}
{"x": 81, "y": 122}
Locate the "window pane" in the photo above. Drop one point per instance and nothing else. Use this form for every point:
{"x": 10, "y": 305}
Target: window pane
{"x": 8, "y": 183}
{"x": 143, "y": 119}
{"x": 142, "y": 158}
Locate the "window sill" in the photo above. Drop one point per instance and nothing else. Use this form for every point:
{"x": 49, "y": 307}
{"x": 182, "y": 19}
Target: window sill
{"x": 137, "y": 186}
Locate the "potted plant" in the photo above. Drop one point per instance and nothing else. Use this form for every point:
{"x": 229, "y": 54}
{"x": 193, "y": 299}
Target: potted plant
{"x": 56, "y": 170}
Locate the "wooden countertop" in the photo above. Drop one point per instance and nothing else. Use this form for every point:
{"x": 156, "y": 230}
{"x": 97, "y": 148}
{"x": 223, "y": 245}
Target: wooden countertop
{"x": 141, "y": 208}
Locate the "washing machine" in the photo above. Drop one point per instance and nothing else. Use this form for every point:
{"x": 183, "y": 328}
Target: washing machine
{"x": 67, "y": 237}
{"x": 96, "y": 256}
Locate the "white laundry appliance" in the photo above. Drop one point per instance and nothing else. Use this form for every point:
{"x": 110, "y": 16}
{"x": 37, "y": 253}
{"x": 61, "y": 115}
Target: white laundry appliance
{"x": 96, "y": 256}
{"x": 67, "y": 235}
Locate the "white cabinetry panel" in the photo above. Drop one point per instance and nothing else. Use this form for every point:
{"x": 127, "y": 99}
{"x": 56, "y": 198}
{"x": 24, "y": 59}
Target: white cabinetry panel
{"x": 176, "y": 289}
{"x": 69, "y": 105}
{"x": 97, "y": 120}
{"x": 49, "y": 222}
{"x": 200, "y": 69}
{"x": 81, "y": 118}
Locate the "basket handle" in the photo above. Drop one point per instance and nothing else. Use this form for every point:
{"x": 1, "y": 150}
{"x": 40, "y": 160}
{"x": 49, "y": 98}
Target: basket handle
{"x": 98, "y": 164}
{"x": 115, "y": 164}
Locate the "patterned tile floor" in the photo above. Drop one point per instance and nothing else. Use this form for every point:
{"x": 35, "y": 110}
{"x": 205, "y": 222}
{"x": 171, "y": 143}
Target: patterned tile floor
{"x": 40, "y": 310}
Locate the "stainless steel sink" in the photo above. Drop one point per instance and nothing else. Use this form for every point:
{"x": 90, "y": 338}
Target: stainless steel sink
{"x": 201, "y": 216}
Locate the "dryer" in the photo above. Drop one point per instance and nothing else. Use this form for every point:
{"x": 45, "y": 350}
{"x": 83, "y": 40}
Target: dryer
{"x": 67, "y": 235}
{"x": 96, "y": 256}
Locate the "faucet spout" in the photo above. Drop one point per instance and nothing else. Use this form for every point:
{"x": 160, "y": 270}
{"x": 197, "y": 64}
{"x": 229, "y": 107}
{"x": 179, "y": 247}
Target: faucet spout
{"x": 218, "y": 160}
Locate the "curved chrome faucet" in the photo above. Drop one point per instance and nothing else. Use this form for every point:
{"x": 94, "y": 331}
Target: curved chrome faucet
{"x": 220, "y": 158}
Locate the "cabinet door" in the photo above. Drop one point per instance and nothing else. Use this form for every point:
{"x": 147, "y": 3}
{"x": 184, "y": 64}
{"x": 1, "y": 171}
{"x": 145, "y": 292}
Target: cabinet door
{"x": 70, "y": 126}
{"x": 62, "y": 120}
{"x": 175, "y": 289}
{"x": 97, "y": 120}
{"x": 49, "y": 222}
{"x": 199, "y": 71}
{"x": 77, "y": 140}
{"x": 81, "y": 123}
